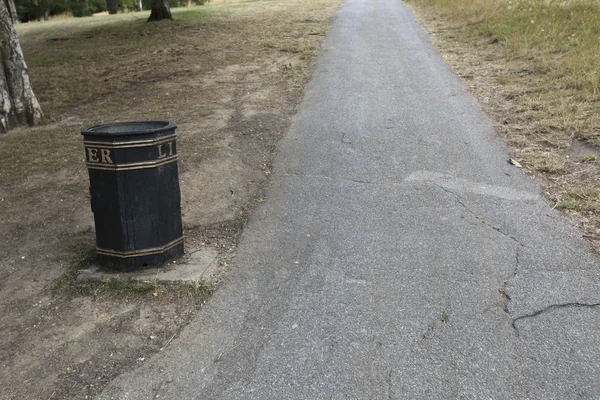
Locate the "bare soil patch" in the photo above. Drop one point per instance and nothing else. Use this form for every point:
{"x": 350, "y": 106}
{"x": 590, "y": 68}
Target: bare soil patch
{"x": 230, "y": 74}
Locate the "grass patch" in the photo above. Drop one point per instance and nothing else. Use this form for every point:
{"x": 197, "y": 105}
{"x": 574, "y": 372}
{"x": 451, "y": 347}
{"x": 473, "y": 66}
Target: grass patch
{"x": 544, "y": 161}
{"x": 83, "y": 255}
{"x": 559, "y": 40}
{"x": 98, "y": 56}
{"x": 585, "y": 159}
{"x": 126, "y": 286}
{"x": 581, "y": 199}
{"x": 123, "y": 287}
{"x": 115, "y": 68}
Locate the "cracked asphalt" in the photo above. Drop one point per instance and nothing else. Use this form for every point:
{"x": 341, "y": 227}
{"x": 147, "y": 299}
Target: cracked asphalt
{"x": 398, "y": 254}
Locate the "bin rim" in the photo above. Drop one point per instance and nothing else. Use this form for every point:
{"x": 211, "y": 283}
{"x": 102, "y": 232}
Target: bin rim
{"x": 104, "y": 129}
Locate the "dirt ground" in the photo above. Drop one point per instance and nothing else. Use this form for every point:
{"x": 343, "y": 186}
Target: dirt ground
{"x": 549, "y": 130}
{"x": 230, "y": 74}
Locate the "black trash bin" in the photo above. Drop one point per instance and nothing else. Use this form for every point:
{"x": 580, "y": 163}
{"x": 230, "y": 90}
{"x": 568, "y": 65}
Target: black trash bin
{"x": 134, "y": 191}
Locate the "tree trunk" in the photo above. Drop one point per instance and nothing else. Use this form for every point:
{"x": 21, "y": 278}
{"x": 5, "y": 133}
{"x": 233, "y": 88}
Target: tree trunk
{"x": 140, "y": 5}
{"x": 46, "y": 14}
{"x": 111, "y": 6}
{"x": 18, "y": 105}
{"x": 10, "y": 4}
{"x": 160, "y": 10}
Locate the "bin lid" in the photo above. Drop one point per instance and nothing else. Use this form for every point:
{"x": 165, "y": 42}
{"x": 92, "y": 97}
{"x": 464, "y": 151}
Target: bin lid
{"x": 129, "y": 128}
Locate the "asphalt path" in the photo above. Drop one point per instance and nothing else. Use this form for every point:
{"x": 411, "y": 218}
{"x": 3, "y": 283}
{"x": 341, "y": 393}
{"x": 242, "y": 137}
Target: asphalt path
{"x": 398, "y": 254}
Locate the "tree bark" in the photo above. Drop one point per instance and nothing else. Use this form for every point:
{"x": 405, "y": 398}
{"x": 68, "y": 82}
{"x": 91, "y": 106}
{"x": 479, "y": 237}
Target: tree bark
{"x": 111, "y": 6}
{"x": 10, "y": 4}
{"x": 160, "y": 10}
{"x": 18, "y": 105}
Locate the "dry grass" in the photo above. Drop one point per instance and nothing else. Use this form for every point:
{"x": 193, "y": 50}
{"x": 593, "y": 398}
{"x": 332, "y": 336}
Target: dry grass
{"x": 112, "y": 68}
{"x": 535, "y": 65}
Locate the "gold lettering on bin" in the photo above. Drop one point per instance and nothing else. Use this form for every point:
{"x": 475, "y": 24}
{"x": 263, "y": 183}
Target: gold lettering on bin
{"x": 102, "y": 158}
{"x": 105, "y": 153}
{"x": 93, "y": 155}
{"x": 167, "y": 154}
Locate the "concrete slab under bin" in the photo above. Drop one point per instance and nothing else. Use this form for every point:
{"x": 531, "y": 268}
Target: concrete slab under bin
{"x": 200, "y": 266}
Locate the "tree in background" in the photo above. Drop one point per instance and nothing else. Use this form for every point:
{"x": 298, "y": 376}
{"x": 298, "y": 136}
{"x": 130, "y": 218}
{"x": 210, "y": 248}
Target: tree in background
{"x": 160, "y": 10}
{"x": 35, "y": 9}
{"x": 29, "y": 10}
{"x": 18, "y": 105}
{"x": 111, "y": 6}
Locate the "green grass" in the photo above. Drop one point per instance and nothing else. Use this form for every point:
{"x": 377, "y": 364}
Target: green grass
{"x": 587, "y": 159}
{"x": 563, "y": 37}
{"x": 557, "y": 39}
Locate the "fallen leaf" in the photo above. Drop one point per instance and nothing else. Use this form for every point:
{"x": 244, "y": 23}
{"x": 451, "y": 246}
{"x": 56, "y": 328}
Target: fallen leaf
{"x": 515, "y": 163}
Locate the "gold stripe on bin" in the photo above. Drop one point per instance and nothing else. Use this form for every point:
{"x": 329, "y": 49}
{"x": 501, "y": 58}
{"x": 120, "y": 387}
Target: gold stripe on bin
{"x": 132, "y": 166}
{"x": 130, "y": 144}
{"x": 139, "y": 253}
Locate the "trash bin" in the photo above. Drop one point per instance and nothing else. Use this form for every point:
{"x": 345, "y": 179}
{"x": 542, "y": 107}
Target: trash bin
{"x": 134, "y": 191}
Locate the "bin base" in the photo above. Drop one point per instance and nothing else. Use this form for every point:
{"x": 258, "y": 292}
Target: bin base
{"x": 129, "y": 261}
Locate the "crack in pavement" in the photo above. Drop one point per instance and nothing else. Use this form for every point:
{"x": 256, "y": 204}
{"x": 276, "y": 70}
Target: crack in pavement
{"x": 388, "y": 380}
{"x": 505, "y": 296}
{"x": 506, "y": 300}
{"x": 478, "y": 217}
{"x": 425, "y": 335}
{"x": 550, "y": 308}
{"x": 336, "y": 178}
{"x": 483, "y": 221}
